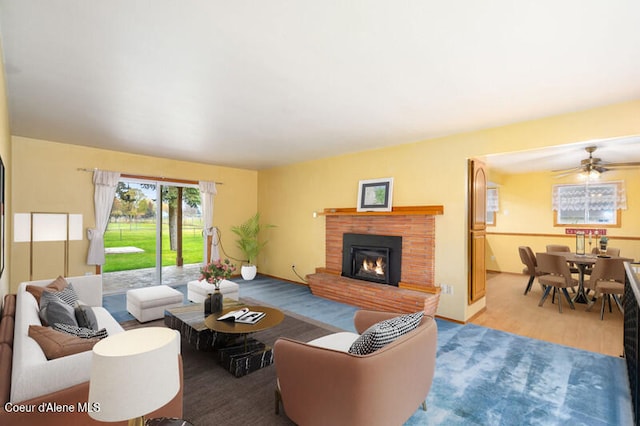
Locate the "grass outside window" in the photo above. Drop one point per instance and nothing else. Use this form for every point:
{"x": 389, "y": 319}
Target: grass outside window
{"x": 143, "y": 235}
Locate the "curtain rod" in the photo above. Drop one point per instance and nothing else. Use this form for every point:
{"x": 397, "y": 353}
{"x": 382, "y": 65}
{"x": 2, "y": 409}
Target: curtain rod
{"x": 161, "y": 179}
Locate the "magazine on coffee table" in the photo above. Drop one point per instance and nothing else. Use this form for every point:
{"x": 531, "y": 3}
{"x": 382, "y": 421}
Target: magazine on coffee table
{"x": 244, "y": 316}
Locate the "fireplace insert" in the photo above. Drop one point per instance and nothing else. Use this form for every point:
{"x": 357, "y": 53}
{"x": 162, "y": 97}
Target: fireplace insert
{"x": 375, "y": 258}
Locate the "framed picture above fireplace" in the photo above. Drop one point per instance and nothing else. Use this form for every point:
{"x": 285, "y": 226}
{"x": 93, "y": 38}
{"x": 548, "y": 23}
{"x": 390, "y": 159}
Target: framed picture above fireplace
{"x": 375, "y": 195}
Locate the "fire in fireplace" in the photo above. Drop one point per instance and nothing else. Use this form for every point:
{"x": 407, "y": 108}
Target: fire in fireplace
{"x": 375, "y": 258}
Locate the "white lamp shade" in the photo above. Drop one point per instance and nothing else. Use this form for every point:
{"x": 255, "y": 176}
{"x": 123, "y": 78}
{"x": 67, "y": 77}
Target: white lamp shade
{"x": 134, "y": 373}
{"x": 47, "y": 227}
{"x": 75, "y": 227}
{"x": 22, "y": 227}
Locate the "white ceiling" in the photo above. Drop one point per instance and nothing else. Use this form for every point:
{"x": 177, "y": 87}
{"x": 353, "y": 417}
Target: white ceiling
{"x": 257, "y": 84}
{"x": 615, "y": 150}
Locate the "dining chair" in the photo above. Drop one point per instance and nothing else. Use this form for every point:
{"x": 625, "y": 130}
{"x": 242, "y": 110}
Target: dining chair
{"x": 551, "y": 248}
{"x": 557, "y": 247}
{"x": 528, "y": 258}
{"x": 611, "y": 251}
{"x": 607, "y": 278}
{"x": 557, "y": 275}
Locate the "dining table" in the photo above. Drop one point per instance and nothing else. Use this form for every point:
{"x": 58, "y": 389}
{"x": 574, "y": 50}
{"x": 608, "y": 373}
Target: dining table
{"x": 582, "y": 262}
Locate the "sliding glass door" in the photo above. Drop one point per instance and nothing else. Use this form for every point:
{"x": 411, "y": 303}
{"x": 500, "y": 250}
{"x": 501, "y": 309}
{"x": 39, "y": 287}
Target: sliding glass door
{"x": 154, "y": 235}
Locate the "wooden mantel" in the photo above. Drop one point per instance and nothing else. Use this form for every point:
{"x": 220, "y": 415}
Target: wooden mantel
{"x": 404, "y": 210}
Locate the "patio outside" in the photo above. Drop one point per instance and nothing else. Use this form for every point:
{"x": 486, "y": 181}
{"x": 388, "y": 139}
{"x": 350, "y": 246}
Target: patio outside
{"x": 121, "y": 281}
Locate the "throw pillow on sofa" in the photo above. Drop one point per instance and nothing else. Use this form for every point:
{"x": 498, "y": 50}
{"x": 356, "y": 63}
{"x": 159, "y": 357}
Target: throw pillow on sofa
{"x": 56, "y": 344}
{"x": 58, "y": 284}
{"x": 81, "y": 332}
{"x": 85, "y": 316}
{"x": 385, "y": 332}
{"x": 67, "y": 295}
{"x": 54, "y": 310}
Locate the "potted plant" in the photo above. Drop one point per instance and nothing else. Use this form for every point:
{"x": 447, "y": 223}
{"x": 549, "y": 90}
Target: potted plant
{"x": 248, "y": 243}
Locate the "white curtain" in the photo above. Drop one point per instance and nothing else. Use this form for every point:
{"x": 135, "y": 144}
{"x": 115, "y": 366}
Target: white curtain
{"x": 105, "y": 189}
{"x": 605, "y": 196}
{"x": 207, "y": 192}
{"x": 492, "y": 200}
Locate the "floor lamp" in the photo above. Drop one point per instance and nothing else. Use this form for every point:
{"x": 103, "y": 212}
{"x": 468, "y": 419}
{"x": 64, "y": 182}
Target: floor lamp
{"x": 134, "y": 373}
{"x": 44, "y": 226}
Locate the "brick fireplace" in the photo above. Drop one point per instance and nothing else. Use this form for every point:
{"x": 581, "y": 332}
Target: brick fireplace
{"x": 416, "y": 289}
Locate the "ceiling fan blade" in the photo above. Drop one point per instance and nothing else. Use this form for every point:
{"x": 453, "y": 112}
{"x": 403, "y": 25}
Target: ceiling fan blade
{"x": 568, "y": 171}
{"x": 622, "y": 165}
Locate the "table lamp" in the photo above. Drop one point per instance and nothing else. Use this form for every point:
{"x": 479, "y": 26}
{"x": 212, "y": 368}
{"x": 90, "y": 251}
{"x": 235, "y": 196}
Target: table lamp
{"x": 134, "y": 373}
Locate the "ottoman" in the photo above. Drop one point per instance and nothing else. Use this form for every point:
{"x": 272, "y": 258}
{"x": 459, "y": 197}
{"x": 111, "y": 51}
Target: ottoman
{"x": 149, "y": 303}
{"x": 197, "y": 290}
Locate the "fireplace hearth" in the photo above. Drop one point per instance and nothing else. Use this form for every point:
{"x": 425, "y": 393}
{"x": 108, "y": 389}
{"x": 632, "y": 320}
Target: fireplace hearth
{"x": 375, "y": 258}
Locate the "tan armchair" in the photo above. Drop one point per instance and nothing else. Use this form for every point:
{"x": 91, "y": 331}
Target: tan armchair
{"x": 320, "y": 386}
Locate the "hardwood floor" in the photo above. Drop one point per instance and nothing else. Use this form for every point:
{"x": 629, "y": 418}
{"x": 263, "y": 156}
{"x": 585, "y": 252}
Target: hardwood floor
{"x": 509, "y": 310}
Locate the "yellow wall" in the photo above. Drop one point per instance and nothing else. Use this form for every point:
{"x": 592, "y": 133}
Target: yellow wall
{"x": 5, "y": 154}
{"x": 425, "y": 173}
{"x": 46, "y": 179}
{"x": 525, "y": 208}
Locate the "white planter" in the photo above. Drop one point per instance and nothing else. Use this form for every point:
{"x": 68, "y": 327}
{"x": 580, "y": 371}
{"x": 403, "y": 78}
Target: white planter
{"x": 248, "y": 272}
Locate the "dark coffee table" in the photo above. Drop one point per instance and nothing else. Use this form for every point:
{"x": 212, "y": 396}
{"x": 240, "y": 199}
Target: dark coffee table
{"x": 238, "y": 354}
{"x": 189, "y": 321}
{"x": 248, "y": 355}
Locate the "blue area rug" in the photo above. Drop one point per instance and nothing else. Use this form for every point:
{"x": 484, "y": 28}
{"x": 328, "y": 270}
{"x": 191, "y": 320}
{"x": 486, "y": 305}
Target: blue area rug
{"x": 483, "y": 376}
{"x": 489, "y": 377}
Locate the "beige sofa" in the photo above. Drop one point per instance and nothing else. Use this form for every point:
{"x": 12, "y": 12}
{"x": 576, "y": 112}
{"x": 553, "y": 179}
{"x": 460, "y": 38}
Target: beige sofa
{"x": 63, "y": 381}
{"x": 320, "y": 383}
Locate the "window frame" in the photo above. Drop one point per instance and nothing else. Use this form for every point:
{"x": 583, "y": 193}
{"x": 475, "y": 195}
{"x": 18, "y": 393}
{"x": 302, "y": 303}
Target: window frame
{"x": 618, "y": 212}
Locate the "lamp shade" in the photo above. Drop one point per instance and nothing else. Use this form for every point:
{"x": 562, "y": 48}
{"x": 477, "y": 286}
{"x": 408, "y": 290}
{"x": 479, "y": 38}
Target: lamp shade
{"x": 46, "y": 227}
{"x": 134, "y": 373}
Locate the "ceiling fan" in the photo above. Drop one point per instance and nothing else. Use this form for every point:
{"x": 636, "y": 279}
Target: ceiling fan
{"x": 593, "y": 166}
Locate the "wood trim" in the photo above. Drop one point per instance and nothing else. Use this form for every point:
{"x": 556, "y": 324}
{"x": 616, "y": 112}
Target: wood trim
{"x": 423, "y": 289}
{"x": 395, "y": 211}
{"x": 526, "y": 234}
{"x": 160, "y": 179}
{"x": 327, "y": 271}
{"x": 477, "y": 314}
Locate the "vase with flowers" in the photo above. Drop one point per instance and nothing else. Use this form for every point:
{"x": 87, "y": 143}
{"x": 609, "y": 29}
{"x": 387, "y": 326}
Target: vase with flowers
{"x": 213, "y": 273}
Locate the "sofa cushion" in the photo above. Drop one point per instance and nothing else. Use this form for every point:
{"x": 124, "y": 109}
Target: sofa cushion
{"x": 6, "y": 358}
{"x": 85, "y": 316}
{"x": 385, "y": 332}
{"x": 56, "y": 344}
{"x": 9, "y": 305}
{"x": 67, "y": 295}
{"x": 54, "y": 310}
{"x": 58, "y": 284}
{"x": 6, "y": 330}
{"x": 82, "y": 332}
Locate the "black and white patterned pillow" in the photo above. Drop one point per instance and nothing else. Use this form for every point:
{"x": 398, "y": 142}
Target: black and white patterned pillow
{"x": 82, "y": 332}
{"x": 68, "y": 295}
{"x": 53, "y": 310}
{"x": 385, "y": 332}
